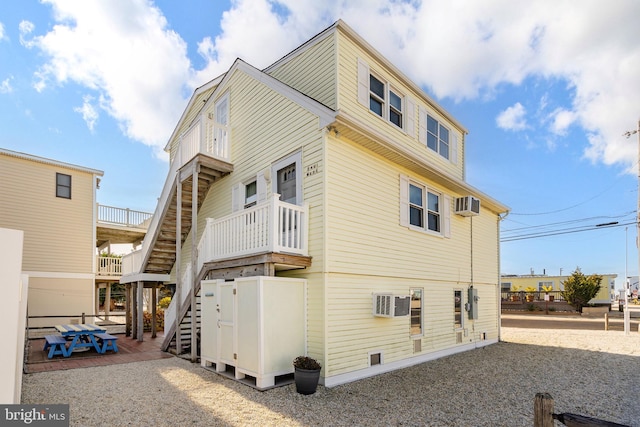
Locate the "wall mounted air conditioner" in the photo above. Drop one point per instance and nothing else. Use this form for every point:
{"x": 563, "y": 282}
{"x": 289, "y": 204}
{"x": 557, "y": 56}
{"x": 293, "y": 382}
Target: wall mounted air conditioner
{"x": 389, "y": 305}
{"x": 467, "y": 206}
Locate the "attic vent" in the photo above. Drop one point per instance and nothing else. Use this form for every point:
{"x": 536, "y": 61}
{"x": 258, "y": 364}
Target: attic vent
{"x": 388, "y": 305}
{"x": 467, "y": 206}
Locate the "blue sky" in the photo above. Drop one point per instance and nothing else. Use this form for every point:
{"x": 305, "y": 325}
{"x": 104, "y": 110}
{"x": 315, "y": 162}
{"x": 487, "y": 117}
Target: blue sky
{"x": 546, "y": 90}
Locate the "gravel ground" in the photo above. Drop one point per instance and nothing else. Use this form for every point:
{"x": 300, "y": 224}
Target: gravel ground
{"x": 593, "y": 373}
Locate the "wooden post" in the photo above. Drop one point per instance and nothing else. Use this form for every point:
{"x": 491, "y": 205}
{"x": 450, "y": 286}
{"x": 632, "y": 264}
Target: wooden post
{"x": 127, "y": 310}
{"x": 154, "y": 296}
{"x": 134, "y": 309}
{"x": 178, "y": 293}
{"x": 140, "y": 311}
{"x": 107, "y": 301}
{"x": 194, "y": 261}
{"x": 543, "y": 410}
{"x": 606, "y": 321}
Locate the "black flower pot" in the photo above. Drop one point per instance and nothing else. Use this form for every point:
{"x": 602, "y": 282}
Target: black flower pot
{"x": 306, "y": 380}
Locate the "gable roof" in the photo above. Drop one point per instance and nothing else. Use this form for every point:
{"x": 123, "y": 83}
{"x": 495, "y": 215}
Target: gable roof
{"x": 348, "y": 31}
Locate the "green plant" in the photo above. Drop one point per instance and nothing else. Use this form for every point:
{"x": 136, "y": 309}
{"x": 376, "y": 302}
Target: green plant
{"x": 146, "y": 320}
{"x": 531, "y": 307}
{"x": 530, "y": 289}
{"x": 547, "y": 288}
{"x": 164, "y": 302}
{"x": 306, "y": 362}
{"x": 580, "y": 289}
{"x": 552, "y": 309}
{"x": 515, "y": 288}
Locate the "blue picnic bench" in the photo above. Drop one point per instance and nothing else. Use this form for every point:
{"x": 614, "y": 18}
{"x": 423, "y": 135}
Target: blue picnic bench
{"x": 106, "y": 342}
{"x": 56, "y": 345}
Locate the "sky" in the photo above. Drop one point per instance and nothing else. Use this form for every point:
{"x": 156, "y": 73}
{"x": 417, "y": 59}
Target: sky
{"x": 546, "y": 89}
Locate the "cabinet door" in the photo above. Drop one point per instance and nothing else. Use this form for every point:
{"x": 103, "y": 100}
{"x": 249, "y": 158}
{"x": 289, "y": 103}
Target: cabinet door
{"x": 226, "y": 319}
{"x": 209, "y": 320}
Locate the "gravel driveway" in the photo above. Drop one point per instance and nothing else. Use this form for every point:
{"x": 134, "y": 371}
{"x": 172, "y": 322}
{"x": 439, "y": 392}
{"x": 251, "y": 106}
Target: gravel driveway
{"x": 593, "y": 373}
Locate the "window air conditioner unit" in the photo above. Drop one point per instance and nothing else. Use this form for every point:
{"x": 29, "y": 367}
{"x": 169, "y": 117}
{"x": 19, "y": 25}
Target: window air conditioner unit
{"x": 467, "y": 206}
{"x": 388, "y": 305}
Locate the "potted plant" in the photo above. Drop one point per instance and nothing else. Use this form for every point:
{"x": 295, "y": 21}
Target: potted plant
{"x": 530, "y": 293}
{"x": 515, "y": 297}
{"x": 546, "y": 290}
{"x": 306, "y": 374}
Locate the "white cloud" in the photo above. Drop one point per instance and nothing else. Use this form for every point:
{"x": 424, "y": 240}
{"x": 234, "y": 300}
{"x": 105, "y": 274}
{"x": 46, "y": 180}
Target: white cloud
{"x": 25, "y": 28}
{"x": 5, "y": 85}
{"x": 124, "y": 52}
{"x": 89, "y": 113}
{"x": 561, "y": 120}
{"x": 513, "y": 118}
{"x": 457, "y": 49}
{"x": 2, "y": 33}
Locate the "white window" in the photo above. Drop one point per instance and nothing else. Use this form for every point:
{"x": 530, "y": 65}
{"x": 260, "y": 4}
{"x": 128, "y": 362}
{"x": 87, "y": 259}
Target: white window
{"x": 457, "y": 309}
{"x": 416, "y": 311}
{"x": 437, "y": 136}
{"x": 250, "y": 194}
{"x": 422, "y": 208}
{"x": 384, "y": 100}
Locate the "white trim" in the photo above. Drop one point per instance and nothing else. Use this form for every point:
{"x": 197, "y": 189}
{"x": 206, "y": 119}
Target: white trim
{"x": 359, "y": 374}
{"x": 59, "y": 275}
{"x": 144, "y": 277}
{"x": 325, "y": 114}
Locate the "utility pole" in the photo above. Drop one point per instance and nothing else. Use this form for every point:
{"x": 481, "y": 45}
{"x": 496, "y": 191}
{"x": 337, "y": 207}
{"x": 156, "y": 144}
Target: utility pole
{"x": 626, "y": 297}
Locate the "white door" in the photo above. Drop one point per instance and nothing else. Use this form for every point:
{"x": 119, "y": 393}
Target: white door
{"x": 209, "y": 321}
{"x": 226, "y": 320}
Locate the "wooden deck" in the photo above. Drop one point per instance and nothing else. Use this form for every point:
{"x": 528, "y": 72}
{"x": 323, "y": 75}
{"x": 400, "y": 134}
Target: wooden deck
{"x": 129, "y": 350}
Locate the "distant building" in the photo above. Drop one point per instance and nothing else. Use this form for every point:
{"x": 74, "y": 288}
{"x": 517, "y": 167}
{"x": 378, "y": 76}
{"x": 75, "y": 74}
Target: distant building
{"x": 537, "y": 281}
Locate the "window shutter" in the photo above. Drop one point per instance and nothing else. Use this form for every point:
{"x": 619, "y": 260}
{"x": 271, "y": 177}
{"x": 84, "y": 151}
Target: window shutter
{"x": 237, "y": 198}
{"x": 411, "y": 117}
{"x": 363, "y": 83}
{"x": 261, "y": 184}
{"x": 454, "y": 149}
{"x": 422, "y": 128}
{"x": 404, "y": 201}
{"x": 446, "y": 216}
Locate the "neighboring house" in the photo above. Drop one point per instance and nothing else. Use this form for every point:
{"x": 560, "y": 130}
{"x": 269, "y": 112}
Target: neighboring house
{"x": 54, "y": 204}
{"x": 322, "y": 204}
{"x": 520, "y": 282}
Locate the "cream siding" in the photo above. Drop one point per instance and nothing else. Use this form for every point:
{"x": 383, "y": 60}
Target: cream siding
{"x": 59, "y": 296}
{"x": 349, "y": 56}
{"x": 369, "y": 251}
{"x": 58, "y": 232}
{"x": 312, "y": 72}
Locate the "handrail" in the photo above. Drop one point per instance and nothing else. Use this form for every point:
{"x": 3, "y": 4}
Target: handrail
{"x": 108, "y": 266}
{"x": 125, "y": 217}
{"x": 271, "y": 226}
{"x": 193, "y": 142}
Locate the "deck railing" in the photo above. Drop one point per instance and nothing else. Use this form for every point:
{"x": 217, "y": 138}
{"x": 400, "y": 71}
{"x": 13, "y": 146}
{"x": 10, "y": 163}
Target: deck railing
{"x": 271, "y": 226}
{"x": 524, "y": 296}
{"x": 108, "y": 266}
{"x": 203, "y": 137}
{"x": 124, "y": 217}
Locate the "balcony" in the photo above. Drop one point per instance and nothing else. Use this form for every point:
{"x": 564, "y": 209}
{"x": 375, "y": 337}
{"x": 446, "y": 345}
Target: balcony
{"x": 119, "y": 225}
{"x": 269, "y": 227}
{"x": 107, "y": 266}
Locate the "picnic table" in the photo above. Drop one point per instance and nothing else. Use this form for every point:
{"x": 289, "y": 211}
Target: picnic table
{"x": 80, "y": 336}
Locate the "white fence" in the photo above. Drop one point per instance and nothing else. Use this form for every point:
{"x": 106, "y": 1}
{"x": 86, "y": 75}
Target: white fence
{"x": 109, "y": 266}
{"x": 273, "y": 226}
{"x": 124, "y": 217}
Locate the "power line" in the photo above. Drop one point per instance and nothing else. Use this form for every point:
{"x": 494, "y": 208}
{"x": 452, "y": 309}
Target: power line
{"x": 565, "y": 231}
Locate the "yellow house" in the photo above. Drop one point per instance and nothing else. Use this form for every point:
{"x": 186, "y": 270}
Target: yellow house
{"x": 54, "y": 204}
{"x": 521, "y": 282}
{"x": 321, "y": 208}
